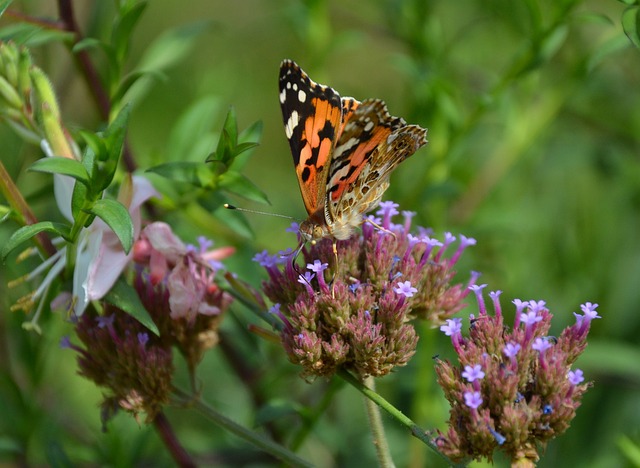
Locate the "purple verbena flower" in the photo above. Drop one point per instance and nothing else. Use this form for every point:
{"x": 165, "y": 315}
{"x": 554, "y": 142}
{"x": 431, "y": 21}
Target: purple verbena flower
{"x": 472, "y": 399}
{"x": 405, "y": 289}
{"x": 473, "y": 373}
{"x": 527, "y": 401}
{"x": 575, "y": 377}
{"x": 395, "y": 278}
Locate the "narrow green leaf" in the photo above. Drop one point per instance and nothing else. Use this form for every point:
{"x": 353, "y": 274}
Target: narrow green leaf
{"x": 32, "y": 35}
{"x": 630, "y": 24}
{"x": 236, "y": 183}
{"x": 123, "y": 28}
{"x": 127, "y": 83}
{"x": 124, "y": 297}
{"x": 4, "y": 5}
{"x": 5, "y": 212}
{"x": 64, "y": 166}
{"x": 252, "y": 133}
{"x": 242, "y": 147}
{"x": 88, "y": 43}
{"x": 27, "y": 232}
{"x": 116, "y": 132}
{"x": 173, "y": 46}
{"x": 192, "y": 132}
{"x": 194, "y": 173}
{"x": 231, "y": 126}
{"x": 552, "y": 43}
{"x": 117, "y": 218}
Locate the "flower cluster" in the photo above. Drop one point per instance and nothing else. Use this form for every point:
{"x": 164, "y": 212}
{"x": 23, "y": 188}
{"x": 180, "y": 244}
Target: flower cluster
{"x": 176, "y": 284}
{"x": 513, "y": 390}
{"x": 355, "y": 314}
{"x": 122, "y": 356}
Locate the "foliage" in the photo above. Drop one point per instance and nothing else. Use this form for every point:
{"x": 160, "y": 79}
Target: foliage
{"x": 532, "y": 110}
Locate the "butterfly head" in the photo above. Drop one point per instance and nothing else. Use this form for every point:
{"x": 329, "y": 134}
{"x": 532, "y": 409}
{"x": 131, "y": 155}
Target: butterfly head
{"x": 312, "y": 232}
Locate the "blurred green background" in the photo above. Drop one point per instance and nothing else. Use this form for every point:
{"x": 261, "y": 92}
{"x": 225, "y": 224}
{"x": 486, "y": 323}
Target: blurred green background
{"x": 533, "y": 110}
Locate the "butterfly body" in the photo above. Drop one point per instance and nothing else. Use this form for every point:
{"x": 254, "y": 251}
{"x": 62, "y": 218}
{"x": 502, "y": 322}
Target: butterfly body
{"x": 343, "y": 150}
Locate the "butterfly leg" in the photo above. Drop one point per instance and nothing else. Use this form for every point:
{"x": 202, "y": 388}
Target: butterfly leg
{"x": 380, "y": 228}
{"x": 335, "y": 271}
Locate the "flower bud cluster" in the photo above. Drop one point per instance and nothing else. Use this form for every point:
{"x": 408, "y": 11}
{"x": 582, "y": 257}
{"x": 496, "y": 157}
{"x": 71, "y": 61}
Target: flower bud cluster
{"x": 355, "y": 315}
{"x": 132, "y": 364}
{"x": 513, "y": 389}
{"x": 28, "y": 102}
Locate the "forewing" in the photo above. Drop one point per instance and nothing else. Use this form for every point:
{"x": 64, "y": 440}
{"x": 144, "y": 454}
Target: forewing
{"x": 312, "y": 115}
{"x": 369, "y": 148}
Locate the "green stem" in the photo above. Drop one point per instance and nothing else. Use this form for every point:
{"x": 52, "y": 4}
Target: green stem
{"x": 377, "y": 428}
{"x": 278, "y": 451}
{"x": 11, "y": 193}
{"x": 395, "y": 413}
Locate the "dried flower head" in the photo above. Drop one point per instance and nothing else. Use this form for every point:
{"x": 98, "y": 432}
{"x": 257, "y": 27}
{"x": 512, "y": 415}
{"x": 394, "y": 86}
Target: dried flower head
{"x": 176, "y": 283}
{"x": 356, "y": 314}
{"x": 513, "y": 390}
{"x": 122, "y": 356}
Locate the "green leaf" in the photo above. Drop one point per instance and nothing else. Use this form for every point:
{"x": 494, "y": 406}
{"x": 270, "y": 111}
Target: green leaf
{"x": 93, "y": 141}
{"x": 32, "y": 35}
{"x": 630, "y": 20}
{"x": 194, "y": 173}
{"x": 192, "y": 136}
{"x": 5, "y": 212}
{"x": 27, "y": 232}
{"x": 242, "y": 147}
{"x": 64, "y": 166}
{"x": 238, "y": 184}
{"x": 88, "y": 43}
{"x": 231, "y": 126}
{"x": 173, "y": 46}
{"x": 251, "y": 134}
{"x": 116, "y": 133}
{"x": 124, "y": 297}
{"x": 117, "y": 217}
{"x": 123, "y": 29}
{"x": 552, "y": 43}
{"x": 4, "y": 5}
{"x": 103, "y": 174}
{"x": 127, "y": 83}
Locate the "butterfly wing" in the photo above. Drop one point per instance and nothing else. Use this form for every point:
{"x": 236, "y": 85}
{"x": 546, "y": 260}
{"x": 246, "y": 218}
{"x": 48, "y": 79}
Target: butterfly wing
{"x": 372, "y": 144}
{"x": 312, "y": 115}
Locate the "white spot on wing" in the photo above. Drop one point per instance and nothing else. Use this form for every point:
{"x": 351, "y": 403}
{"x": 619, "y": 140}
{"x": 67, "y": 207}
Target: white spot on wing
{"x": 283, "y": 96}
{"x": 302, "y": 96}
{"x": 345, "y": 147}
{"x": 291, "y": 124}
{"x": 369, "y": 126}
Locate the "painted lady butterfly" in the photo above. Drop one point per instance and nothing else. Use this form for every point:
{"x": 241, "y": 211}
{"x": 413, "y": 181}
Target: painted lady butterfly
{"x": 344, "y": 152}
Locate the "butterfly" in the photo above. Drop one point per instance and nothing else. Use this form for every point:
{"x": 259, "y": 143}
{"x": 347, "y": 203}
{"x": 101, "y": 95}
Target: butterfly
{"x": 343, "y": 150}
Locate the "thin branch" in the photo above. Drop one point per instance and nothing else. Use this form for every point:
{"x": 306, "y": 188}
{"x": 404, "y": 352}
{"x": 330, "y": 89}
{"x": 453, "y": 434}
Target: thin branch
{"x": 99, "y": 93}
{"x": 168, "y": 436}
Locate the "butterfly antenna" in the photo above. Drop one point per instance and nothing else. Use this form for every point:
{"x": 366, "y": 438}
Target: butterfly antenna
{"x": 232, "y": 207}
{"x": 295, "y": 257}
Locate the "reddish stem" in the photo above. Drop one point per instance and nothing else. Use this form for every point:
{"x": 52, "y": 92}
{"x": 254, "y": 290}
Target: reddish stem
{"x": 179, "y": 454}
